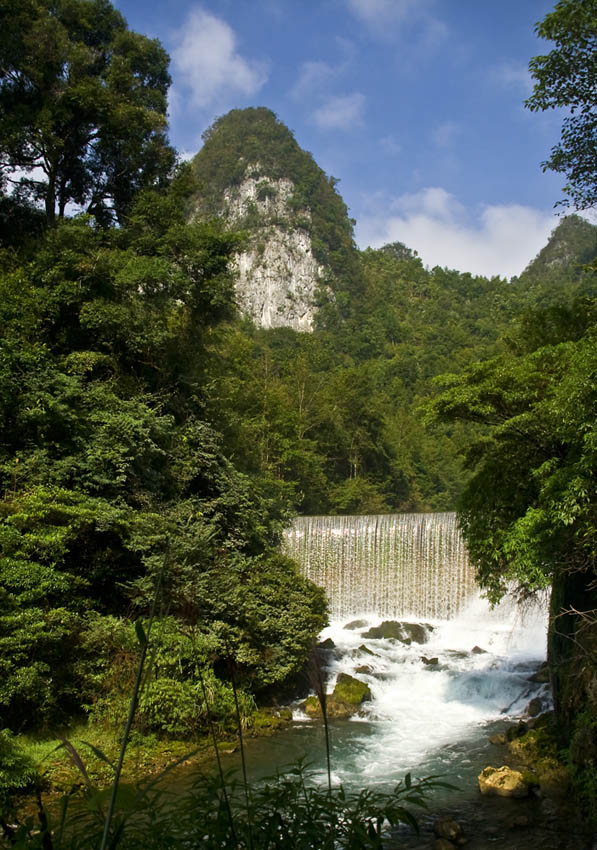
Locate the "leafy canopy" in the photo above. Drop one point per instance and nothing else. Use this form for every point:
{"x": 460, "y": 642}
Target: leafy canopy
{"x": 82, "y": 106}
{"x": 566, "y": 78}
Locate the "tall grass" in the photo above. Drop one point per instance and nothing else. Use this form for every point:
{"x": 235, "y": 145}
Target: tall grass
{"x": 288, "y": 811}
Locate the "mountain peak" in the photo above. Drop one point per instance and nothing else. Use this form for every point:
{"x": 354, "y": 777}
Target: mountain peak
{"x": 252, "y": 172}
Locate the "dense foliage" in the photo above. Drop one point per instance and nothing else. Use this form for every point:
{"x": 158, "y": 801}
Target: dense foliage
{"x": 83, "y": 101}
{"x": 113, "y": 482}
{"x": 566, "y": 78}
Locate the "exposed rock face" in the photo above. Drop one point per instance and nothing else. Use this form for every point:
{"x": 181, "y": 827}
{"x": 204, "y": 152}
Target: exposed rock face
{"x": 252, "y": 173}
{"x": 277, "y": 274}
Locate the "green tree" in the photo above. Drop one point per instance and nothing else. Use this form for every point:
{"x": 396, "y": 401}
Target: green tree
{"x": 566, "y": 78}
{"x": 106, "y": 455}
{"x": 83, "y": 100}
{"x": 529, "y": 511}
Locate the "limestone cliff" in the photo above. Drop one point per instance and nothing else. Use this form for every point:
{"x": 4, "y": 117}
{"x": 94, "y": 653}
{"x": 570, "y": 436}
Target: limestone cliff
{"x": 278, "y": 275}
{"x": 299, "y": 252}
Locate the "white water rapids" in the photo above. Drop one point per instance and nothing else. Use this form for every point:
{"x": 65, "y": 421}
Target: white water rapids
{"x": 424, "y": 717}
{"x": 428, "y": 718}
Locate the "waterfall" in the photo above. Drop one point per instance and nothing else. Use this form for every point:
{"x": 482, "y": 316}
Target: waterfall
{"x": 395, "y": 565}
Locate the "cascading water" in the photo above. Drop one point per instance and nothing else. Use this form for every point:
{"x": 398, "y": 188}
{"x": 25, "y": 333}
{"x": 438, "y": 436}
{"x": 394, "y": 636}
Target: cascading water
{"x": 406, "y": 565}
{"x": 431, "y": 702}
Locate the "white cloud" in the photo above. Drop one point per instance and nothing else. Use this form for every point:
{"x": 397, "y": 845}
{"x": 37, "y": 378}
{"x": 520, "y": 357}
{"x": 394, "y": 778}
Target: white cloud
{"x": 186, "y": 156}
{"x": 380, "y": 13}
{"x": 341, "y": 112}
{"x": 510, "y": 74}
{"x": 384, "y": 17}
{"x": 446, "y": 134}
{"x": 501, "y": 240}
{"x": 312, "y": 77}
{"x": 207, "y": 63}
{"x": 390, "y": 145}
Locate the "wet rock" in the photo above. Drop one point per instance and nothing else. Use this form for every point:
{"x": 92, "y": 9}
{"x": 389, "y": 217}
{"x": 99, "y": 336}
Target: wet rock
{"x": 312, "y": 707}
{"x": 520, "y": 822}
{"x": 500, "y": 738}
{"x": 476, "y": 650}
{"x": 443, "y": 844}
{"x": 266, "y": 721}
{"x": 334, "y": 709}
{"x": 516, "y": 731}
{"x": 350, "y": 690}
{"x": 430, "y": 662}
{"x": 534, "y": 707}
{"x": 347, "y": 697}
{"x": 538, "y": 750}
{"x": 503, "y": 782}
{"x": 404, "y": 632}
{"x": 356, "y": 624}
{"x": 367, "y": 651}
{"x": 328, "y": 643}
{"x": 450, "y": 830}
{"x": 541, "y": 676}
{"x": 365, "y": 669}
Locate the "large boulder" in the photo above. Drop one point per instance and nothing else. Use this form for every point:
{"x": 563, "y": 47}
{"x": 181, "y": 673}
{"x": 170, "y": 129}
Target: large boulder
{"x": 503, "y": 782}
{"x": 350, "y": 690}
{"x": 404, "y": 632}
{"x": 356, "y": 624}
{"x": 345, "y": 700}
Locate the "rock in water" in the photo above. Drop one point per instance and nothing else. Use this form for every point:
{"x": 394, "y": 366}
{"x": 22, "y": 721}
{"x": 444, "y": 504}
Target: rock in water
{"x": 356, "y": 624}
{"x": 347, "y": 697}
{"x": 404, "y": 632}
{"x": 503, "y": 782}
{"x": 350, "y": 690}
{"x": 450, "y": 830}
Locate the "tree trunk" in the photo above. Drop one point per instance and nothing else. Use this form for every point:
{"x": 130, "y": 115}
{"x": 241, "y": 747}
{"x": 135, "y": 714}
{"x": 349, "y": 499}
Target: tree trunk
{"x": 572, "y": 653}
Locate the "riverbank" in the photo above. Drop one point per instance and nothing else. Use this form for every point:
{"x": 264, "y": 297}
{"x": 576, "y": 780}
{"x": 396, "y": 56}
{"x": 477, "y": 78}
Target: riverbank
{"x": 548, "y": 818}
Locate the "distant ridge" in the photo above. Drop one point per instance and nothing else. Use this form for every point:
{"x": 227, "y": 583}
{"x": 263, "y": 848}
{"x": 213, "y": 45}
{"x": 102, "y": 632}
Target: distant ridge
{"x": 571, "y": 245}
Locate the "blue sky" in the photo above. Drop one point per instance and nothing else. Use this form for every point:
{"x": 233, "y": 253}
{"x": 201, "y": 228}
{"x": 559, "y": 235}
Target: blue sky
{"x": 415, "y": 105}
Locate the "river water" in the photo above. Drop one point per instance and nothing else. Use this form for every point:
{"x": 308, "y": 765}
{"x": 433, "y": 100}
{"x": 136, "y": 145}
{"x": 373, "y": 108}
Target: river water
{"x": 433, "y": 705}
{"x": 435, "y": 719}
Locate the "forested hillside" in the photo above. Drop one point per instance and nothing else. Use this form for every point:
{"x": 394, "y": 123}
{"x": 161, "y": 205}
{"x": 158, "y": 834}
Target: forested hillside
{"x": 155, "y": 442}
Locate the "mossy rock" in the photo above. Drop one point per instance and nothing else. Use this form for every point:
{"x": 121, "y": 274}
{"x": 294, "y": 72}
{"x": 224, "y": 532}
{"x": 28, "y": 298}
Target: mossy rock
{"x": 356, "y": 624}
{"x": 312, "y": 707}
{"x": 266, "y": 721}
{"x": 350, "y": 690}
{"x": 348, "y": 696}
{"x": 364, "y": 648}
{"x": 404, "y": 632}
{"x": 537, "y": 750}
{"x": 335, "y": 709}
